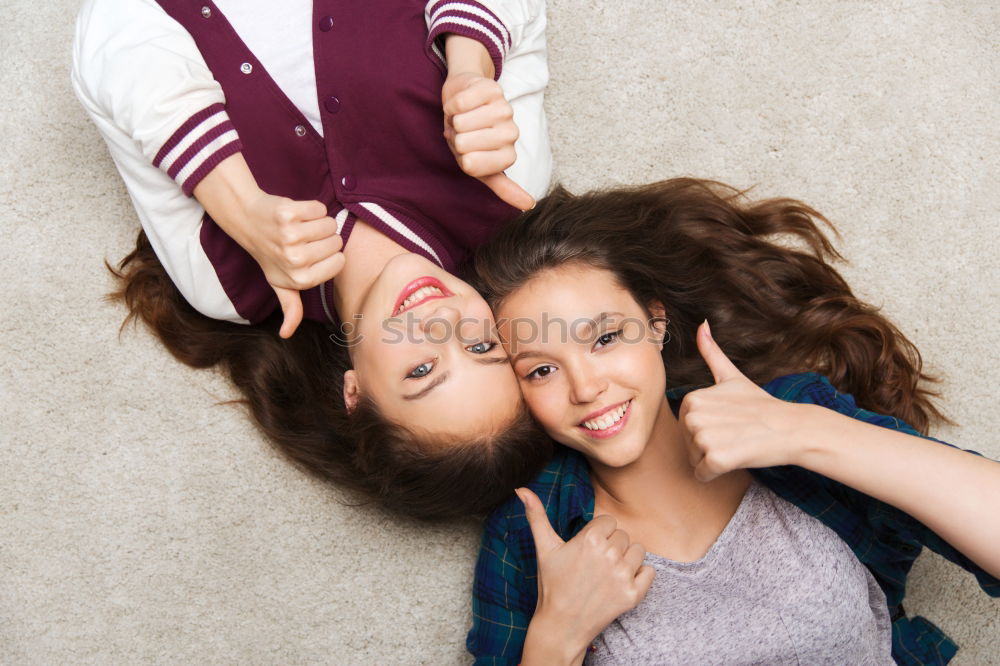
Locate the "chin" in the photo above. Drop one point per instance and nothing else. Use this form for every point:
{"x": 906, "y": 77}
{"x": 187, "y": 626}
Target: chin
{"x": 412, "y": 262}
{"x": 615, "y": 456}
{"x": 618, "y": 462}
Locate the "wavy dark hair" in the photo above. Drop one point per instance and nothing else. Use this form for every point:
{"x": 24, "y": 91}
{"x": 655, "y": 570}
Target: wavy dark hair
{"x": 294, "y": 391}
{"x": 758, "y": 271}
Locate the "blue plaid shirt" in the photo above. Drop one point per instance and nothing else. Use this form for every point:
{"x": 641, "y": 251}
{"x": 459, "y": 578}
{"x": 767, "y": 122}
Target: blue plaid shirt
{"x": 885, "y": 539}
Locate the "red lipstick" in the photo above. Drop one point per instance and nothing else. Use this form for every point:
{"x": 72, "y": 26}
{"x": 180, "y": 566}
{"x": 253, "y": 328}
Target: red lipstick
{"x": 412, "y": 287}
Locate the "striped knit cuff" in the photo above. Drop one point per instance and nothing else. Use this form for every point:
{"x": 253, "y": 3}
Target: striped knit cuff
{"x": 469, "y": 19}
{"x": 204, "y": 140}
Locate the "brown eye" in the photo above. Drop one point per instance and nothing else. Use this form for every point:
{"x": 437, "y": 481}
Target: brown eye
{"x": 607, "y": 339}
{"x": 541, "y": 372}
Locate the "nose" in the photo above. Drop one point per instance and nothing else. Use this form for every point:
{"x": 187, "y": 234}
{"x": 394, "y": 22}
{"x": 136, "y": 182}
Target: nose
{"x": 585, "y": 385}
{"x": 440, "y": 324}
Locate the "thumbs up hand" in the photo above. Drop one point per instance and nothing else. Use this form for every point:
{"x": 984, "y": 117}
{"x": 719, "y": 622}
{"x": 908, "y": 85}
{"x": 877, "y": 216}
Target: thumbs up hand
{"x": 479, "y": 121}
{"x": 735, "y": 424}
{"x": 480, "y": 130}
{"x": 583, "y": 584}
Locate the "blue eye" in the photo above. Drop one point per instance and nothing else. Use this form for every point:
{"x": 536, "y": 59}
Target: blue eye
{"x": 541, "y": 372}
{"x": 421, "y": 370}
{"x": 482, "y": 347}
{"x": 607, "y": 338}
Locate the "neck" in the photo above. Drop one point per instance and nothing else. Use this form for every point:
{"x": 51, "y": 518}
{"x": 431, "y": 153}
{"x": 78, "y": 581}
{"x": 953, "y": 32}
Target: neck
{"x": 661, "y": 476}
{"x": 365, "y": 256}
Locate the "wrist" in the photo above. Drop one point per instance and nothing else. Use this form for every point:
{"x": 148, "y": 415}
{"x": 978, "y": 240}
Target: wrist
{"x": 812, "y": 428}
{"x": 465, "y": 55}
{"x": 549, "y": 641}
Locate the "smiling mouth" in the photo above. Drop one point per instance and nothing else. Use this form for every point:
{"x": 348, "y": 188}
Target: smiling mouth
{"x": 608, "y": 422}
{"x": 418, "y": 292}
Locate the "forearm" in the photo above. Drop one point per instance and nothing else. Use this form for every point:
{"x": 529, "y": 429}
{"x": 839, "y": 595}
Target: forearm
{"x": 466, "y": 55}
{"x": 227, "y": 193}
{"x": 953, "y": 492}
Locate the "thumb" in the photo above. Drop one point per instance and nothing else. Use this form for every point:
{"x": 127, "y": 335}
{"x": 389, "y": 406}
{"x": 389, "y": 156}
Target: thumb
{"x": 545, "y": 537}
{"x": 509, "y": 191}
{"x": 291, "y": 307}
{"x": 720, "y": 365}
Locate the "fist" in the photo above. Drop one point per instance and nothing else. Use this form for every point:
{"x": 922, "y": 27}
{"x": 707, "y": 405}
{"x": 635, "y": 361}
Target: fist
{"x": 588, "y": 581}
{"x": 480, "y": 130}
{"x": 734, "y": 424}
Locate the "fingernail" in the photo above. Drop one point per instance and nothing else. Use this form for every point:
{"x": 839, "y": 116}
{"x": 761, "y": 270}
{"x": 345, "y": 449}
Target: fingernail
{"x": 517, "y": 491}
{"x": 708, "y": 329}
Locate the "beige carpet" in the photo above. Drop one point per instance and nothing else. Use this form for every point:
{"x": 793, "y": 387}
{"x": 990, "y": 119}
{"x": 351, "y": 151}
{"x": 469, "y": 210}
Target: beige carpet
{"x": 141, "y": 522}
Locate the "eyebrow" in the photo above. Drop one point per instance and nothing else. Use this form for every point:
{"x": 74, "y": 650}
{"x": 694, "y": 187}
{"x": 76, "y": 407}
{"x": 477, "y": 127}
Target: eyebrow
{"x": 492, "y": 360}
{"x": 599, "y": 319}
{"x": 593, "y": 324}
{"x": 526, "y": 354}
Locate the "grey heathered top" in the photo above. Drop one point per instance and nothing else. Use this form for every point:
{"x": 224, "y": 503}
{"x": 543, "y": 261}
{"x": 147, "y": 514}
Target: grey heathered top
{"x": 777, "y": 587}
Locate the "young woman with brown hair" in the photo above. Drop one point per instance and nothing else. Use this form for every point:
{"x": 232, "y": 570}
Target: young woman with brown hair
{"x": 292, "y": 155}
{"x": 782, "y": 505}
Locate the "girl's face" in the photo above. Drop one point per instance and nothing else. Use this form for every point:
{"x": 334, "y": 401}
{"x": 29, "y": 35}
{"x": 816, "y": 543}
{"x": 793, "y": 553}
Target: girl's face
{"x": 587, "y": 358}
{"x": 426, "y": 350}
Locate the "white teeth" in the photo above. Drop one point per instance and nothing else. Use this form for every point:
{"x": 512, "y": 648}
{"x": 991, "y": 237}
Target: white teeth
{"x": 607, "y": 420}
{"x": 416, "y": 296}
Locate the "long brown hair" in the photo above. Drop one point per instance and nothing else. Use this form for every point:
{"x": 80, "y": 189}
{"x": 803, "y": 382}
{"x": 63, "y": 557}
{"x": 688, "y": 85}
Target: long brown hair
{"x": 758, "y": 271}
{"x": 294, "y": 391}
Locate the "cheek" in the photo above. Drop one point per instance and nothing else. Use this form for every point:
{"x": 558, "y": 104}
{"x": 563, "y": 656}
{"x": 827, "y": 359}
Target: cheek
{"x": 391, "y": 337}
{"x": 369, "y": 333}
{"x": 385, "y": 355}
{"x": 478, "y": 309}
{"x": 546, "y": 403}
{"x": 645, "y": 365}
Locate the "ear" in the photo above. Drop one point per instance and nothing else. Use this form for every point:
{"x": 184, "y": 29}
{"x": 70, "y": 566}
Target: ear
{"x": 351, "y": 391}
{"x": 658, "y": 320}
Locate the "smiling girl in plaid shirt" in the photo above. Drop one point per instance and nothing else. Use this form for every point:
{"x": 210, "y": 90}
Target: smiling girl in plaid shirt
{"x": 781, "y": 513}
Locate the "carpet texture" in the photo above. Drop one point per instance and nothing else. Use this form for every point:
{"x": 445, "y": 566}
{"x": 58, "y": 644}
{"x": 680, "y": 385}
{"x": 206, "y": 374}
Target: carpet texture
{"x": 145, "y": 522}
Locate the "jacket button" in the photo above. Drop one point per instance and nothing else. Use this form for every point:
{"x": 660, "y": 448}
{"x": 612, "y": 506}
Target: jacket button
{"x": 300, "y": 130}
{"x": 246, "y": 68}
{"x": 326, "y": 23}
{"x": 332, "y": 104}
{"x": 206, "y": 12}
{"x": 349, "y": 182}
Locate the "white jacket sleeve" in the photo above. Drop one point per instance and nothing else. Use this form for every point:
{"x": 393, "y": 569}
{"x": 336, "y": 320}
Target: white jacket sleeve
{"x": 141, "y": 78}
{"x": 513, "y": 32}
